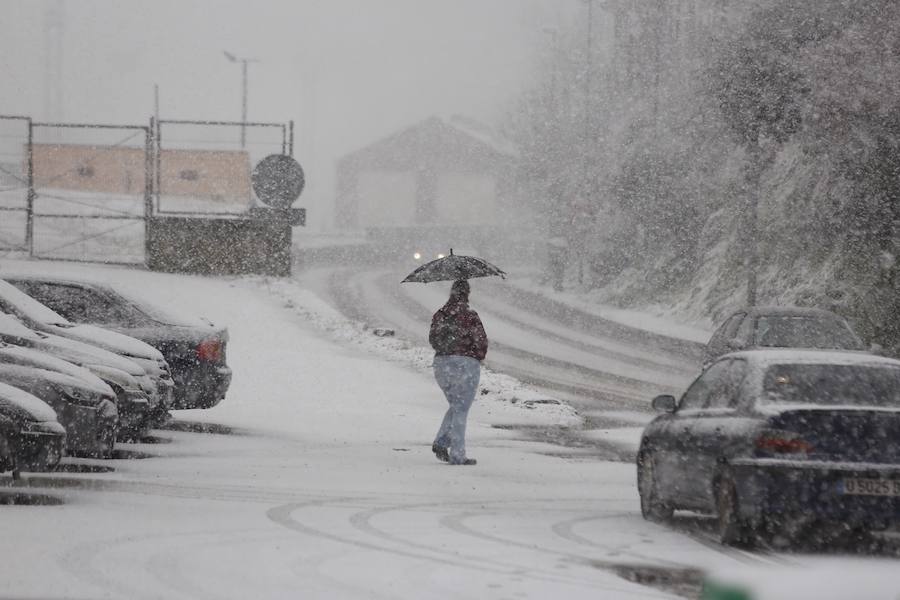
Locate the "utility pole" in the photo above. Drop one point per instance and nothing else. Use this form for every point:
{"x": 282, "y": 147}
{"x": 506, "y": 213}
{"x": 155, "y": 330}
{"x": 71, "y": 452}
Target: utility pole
{"x": 587, "y": 88}
{"x": 232, "y": 58}
{"x": 54, "y": 33}
{"x": 583, "y": 199}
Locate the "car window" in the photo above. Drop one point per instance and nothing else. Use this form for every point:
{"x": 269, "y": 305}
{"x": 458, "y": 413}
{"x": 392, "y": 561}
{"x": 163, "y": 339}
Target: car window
{"x": 733, "y": 325}
{"x": 718, "y": 343}
{"x": 796, "y": 331}
{"x": 721, "y": 334}
{"x": 830, "y": 385}
{"x": 84, "y": 305}
{"x": 727, "y": 393}
{"x": 697, "y": 396}
{"x": 744, "y": 334}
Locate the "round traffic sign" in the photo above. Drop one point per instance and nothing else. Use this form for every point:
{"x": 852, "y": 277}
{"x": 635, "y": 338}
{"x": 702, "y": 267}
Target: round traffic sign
{"x": 278, "y": 180}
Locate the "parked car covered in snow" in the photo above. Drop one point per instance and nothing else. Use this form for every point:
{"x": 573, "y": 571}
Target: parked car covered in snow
{"x": 38, "y": 317}
{"x": 193, "y": 347}
{"x": 781, "y": 327}
{"x": 128, "y": 381}
{"x": 87, "y": 412}
{"x": 31, "y": 439}
{"x": 793, "y": 441}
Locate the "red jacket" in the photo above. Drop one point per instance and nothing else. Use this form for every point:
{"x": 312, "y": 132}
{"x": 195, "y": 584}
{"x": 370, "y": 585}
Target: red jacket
{"x": 456, "y": 330}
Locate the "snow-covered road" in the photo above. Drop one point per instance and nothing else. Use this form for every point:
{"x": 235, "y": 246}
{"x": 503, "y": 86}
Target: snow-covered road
{"x": 317, "y": 481}
{"x": 582, "y": 358}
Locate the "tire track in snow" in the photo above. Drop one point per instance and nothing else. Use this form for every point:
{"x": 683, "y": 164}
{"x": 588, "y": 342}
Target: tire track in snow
{"x": 284, "y": 515}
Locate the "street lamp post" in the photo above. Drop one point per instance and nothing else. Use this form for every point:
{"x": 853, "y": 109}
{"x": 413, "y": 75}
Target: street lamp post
{"x": 231, "y": 57}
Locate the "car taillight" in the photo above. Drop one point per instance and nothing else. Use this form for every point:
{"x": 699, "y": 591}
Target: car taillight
{"x": 210, "y": 350}
{"x": 782, "y": 442}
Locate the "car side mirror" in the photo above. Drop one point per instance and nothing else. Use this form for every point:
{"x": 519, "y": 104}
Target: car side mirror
{"x": 665, "y": 403}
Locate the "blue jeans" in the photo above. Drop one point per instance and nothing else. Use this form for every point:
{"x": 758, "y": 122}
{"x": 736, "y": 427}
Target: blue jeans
{"x": 458, "y": 377}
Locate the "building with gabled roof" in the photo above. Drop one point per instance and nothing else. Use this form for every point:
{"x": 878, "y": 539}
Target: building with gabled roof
{"x": 437, "y": 172}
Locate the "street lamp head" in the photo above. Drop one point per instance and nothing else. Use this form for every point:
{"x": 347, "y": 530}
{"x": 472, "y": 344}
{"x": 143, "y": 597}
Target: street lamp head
{"x": 230, "y": 56}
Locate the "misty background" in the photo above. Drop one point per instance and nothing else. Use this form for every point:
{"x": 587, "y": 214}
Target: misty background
{"x": 347, "y": 71}
{"x": 689, "y": 156}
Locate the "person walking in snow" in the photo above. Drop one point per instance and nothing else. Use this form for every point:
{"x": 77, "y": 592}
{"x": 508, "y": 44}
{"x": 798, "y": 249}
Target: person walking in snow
{"x": 460, "y": 344}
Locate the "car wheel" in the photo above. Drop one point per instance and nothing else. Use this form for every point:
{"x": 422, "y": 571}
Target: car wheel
{"x": 733, "y": 531}
{"x": 652, "y": 507}
{"x": 108, "y": 442}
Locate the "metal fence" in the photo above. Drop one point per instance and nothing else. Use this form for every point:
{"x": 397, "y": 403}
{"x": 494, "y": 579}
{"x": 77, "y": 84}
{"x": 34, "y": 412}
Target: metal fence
{"x": 203, "y": 167}
{"x": 87, "y": 192}
{"x": 15, "y": 182}
{"x": 91, "y": 191}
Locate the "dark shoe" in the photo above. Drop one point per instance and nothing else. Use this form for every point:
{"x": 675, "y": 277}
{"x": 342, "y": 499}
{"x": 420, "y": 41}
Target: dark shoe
{"x": 467, "y": 462}
{"x": 443, "y": 454}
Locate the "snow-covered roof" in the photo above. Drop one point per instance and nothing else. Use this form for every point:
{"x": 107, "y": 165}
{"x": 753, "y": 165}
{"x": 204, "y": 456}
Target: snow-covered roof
{"x": 439, "y": 140}
{"x": 483, "y": 133}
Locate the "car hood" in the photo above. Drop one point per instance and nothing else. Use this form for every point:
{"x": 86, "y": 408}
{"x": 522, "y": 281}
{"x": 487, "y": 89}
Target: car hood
{"x": 81, "y": 353}
{"x": 108, "y": 340}
{"x": 35, "y": 358}
{"x": 25, "y": 405}
{"x": 14, "y": 374}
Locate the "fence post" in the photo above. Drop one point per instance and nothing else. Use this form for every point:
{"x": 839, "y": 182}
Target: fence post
{"x": 148, "y": 187}
{"x": 291, "y": 138}
{"x": 157, "y": 141}
{"x": 29, "y": 210}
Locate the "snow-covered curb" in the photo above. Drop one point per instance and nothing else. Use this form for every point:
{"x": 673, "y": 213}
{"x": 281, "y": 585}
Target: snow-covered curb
{"x": 505, "y": 399}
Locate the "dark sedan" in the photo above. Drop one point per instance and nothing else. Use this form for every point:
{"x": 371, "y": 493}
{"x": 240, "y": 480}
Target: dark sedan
{"x": 787, "y": 441}
{"x": 781, "y": 327}
{"x": 194, "y": 348}
{"x": 31, "y": 439}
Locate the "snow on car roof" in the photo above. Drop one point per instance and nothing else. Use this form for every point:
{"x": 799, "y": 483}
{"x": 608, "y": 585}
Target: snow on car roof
{"x": 27, "y": 305}
{"x": 11, "y": 325}
{"x": 772, "y": 356}
{"x": 39, "y": 410}
{"x": 163, "y": 315}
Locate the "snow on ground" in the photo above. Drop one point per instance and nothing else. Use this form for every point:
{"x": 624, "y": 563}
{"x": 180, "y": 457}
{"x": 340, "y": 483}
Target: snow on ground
{"x": 330, "y": 489}
{"x": 326, "y": 486}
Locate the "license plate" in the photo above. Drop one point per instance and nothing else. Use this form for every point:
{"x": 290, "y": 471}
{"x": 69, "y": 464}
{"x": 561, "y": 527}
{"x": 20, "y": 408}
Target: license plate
{"x": 871, "y": 487}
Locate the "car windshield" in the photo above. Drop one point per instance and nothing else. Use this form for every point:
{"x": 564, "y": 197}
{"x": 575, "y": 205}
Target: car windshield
{"x": 790, "y": 331}
{"x": 829, "y": 384}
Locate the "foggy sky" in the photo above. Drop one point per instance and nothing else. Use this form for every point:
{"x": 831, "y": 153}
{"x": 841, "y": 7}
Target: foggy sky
{"x": 347, "y": 71}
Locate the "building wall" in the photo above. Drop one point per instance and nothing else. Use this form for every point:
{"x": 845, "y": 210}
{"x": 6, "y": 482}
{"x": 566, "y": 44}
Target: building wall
{"x": 114, "y": 170}
{"x": 215, "y": 175}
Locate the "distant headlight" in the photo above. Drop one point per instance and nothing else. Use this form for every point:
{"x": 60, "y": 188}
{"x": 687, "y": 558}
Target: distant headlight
{"x": 417, "y": 256}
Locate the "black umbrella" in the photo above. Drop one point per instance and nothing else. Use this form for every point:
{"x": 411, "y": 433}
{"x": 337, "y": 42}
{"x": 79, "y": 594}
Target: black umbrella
{"x": 453, "y": 267}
